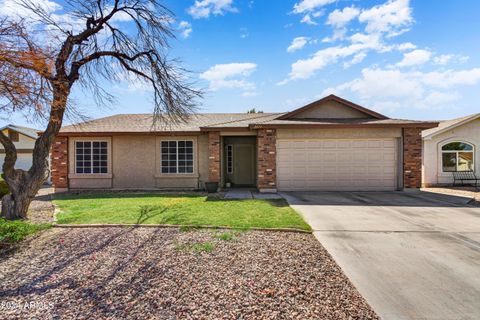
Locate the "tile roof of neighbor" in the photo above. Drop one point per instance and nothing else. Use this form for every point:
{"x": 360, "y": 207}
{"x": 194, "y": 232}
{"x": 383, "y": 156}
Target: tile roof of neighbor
{"x": 29, "y": 132}
{"x": 447, "y": 124}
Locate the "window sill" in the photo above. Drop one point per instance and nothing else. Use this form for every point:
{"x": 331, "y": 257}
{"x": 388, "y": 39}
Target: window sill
{"x": 177, "y": 175}
{"x": 90, "y": 176}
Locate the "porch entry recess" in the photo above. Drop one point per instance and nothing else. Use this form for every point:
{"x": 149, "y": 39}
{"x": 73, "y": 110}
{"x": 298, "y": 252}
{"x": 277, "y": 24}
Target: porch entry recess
{"x": 239, "y": 158}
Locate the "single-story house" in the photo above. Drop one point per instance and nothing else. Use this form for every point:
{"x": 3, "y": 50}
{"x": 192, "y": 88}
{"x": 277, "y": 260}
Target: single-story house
{"x": 24, "y": 140}
{"x": 452, "y": 146}
{"x": 330, "y": 144}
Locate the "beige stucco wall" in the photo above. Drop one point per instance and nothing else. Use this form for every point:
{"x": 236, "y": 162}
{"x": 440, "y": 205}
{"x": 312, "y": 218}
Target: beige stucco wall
{"x": 432, "y": 167}
{"x": 134, "y": 163}
{"x": 134, "y": 160}
{"x": 330, "y": 110}
{"x": 24, "y": 142}
{"x": 339, "y": 133}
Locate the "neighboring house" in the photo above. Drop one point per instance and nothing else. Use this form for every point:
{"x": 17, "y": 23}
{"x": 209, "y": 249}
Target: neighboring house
{"x": 452, "y": 146}
{"x": 330, "y": 144}
{"x": 24, "y": 140}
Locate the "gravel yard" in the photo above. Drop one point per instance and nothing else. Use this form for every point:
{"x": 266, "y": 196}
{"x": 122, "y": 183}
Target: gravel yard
{"x": 164, "y": 273}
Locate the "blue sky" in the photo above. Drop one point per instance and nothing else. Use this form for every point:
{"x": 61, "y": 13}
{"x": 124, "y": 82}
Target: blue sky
{"x": 407, "y": 59}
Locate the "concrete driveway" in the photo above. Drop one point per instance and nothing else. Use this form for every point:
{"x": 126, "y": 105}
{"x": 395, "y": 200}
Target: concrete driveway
{"x": 412, "y": 255}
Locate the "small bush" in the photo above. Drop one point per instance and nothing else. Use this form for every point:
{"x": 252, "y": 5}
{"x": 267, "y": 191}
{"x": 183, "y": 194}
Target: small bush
{"x": 225, "y": 236}
{"x": 17, "y": 230}
{"x": 196, "y": 247}
{"x": 202, "y": 247}
{"x": 3, "y": 188}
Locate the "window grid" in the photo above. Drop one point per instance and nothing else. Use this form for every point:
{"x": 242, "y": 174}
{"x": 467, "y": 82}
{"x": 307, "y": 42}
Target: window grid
{"x": 177, "y": 156}
{"x": 91, "y": 157}
{"x": 456, "y": 155}
{"x": 229, "y": 159}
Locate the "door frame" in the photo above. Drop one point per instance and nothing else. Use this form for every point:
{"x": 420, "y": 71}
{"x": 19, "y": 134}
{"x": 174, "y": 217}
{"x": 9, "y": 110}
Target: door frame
{"x": 237, "y": 140}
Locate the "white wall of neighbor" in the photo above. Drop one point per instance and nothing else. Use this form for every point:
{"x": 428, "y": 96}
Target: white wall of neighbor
{"x": 24, "y": 160}
{"x": 432, "y": 152}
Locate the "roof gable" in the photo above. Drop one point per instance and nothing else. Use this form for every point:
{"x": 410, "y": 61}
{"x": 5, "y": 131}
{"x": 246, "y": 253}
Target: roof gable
{"x": 29, "y": 132}
{"x": 332, "y": 107}
{"x": 448, "y": 125}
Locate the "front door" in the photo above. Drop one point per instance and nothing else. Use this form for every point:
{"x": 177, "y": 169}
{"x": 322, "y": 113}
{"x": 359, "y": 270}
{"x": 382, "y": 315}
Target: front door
{"x": 244, "y": 164}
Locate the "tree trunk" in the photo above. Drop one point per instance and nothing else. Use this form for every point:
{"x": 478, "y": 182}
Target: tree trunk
{"x": 24, "y": 185}
{"x": 8, "y": 211}
{"x": 15, "y": 207}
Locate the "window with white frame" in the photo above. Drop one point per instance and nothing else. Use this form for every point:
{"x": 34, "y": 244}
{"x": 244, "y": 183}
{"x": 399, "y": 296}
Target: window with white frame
{"x": 229, "y": 159}
{"x": 91, "y": 157}
{"x": 457, "y": 156}
{"x": 177, "y": 156}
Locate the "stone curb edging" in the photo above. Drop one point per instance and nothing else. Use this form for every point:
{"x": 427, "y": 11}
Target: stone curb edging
{"x": 118, "y": 225}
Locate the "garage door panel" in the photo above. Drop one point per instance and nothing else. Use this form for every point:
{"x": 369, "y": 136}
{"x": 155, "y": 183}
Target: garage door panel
{"x": 342, "y": 164}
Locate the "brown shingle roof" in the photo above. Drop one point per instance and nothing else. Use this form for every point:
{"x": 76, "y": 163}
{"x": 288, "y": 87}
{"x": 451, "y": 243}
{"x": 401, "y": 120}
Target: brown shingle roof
{"x": 136, "y": 123}
{"x": 143, "y": 123}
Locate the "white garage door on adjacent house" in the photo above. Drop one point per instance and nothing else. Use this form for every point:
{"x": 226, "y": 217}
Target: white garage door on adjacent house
{"x": 337, "y": 164}
{"x": 24, "y": 161}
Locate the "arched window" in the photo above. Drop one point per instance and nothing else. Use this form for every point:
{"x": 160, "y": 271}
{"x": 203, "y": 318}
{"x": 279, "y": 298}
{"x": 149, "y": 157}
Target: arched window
{"x": 457, "y": 156}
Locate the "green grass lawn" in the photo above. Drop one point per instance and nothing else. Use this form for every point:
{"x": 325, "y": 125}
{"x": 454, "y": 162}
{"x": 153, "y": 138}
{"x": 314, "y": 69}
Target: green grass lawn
{"x": 176, "y": 209}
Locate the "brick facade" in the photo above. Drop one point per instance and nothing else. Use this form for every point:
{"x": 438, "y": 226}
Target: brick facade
{"x": 412, "y": 158}
{"x": 59, "y": 163}
{"x": 267, "y": 159}
{"x": 214, "y": 156}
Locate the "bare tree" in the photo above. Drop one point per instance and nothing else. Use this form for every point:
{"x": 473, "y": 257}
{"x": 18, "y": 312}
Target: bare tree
{"x": 42, "y": 58}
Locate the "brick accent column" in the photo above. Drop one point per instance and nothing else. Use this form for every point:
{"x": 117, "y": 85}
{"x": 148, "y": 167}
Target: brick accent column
{"x": 267, "y": 159}
{"x": 59, "y": 164}
{"x": 412, "y": 158}
{"x": 214, "y": 156}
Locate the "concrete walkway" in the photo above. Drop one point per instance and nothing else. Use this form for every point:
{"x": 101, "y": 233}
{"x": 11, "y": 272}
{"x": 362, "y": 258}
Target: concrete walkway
{"x": 411, "y": 255}
{"x": 248, "y": 194}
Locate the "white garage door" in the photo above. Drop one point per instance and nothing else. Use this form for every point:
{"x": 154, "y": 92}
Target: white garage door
{"x": 24, "y": 161}
{"x": 337, "y": 164}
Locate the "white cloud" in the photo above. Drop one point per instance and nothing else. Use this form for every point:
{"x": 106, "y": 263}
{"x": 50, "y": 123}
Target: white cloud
{"x": 406, "y": 46}
{"x": 308, "y": 20}
{"x": 382, "y": 22}
{"x": 361, "y": 43}
{"x": 310, "y": 5}
{"x": 390, "y": 17}
{"x": 185, "y": 28}
{"x": 13, "y": 9}
{"x": 444, "y": 59}
{"x": 413, "y": 88}
{"x": 204, "y": 8}
{"x": 340, "y": 18}
{"x": 414, "y": 58}
{"x": 355, "y": 60}
{"x": 311, "y": 8}
{"x": 297, "y": 44}
{"x": 244, "y": 33}
{"x": 231, "y": 76}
